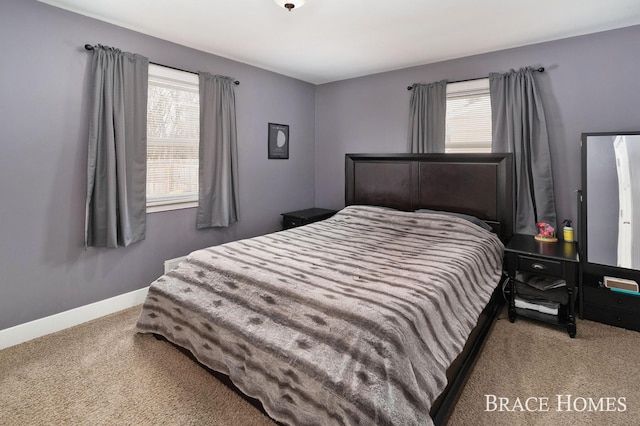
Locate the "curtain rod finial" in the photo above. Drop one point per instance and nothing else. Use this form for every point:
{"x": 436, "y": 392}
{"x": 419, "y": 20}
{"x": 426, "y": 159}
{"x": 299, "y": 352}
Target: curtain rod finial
{"x": 88, "y": 47}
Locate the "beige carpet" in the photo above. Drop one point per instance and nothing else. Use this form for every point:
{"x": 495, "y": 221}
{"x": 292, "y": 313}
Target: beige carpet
{"x": 102, "y": 373}
{"x": 530, "y": 359}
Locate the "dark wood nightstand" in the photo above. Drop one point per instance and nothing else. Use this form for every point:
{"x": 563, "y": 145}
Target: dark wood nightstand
{"x": 554, "y": 260}
{"x": 305, "y": 217}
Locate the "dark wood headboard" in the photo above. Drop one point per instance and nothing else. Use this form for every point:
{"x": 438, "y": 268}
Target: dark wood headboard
{"x": 476, "y": 184}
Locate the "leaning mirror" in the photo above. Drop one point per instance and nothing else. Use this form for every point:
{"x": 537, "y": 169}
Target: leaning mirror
{"x": 611, "y": 191}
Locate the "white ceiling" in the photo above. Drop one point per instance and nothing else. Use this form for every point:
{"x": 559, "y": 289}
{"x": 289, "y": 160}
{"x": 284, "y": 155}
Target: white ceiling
{"x": 329, "y": 40}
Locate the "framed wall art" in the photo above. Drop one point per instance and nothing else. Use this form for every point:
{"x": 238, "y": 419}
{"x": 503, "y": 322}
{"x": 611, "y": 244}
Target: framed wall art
{"x": 278, "y": 141}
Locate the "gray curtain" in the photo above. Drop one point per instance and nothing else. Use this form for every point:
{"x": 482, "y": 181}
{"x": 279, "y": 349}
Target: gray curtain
{"x": 519, "y": 127}
{"x": 218, "y": 178}
{"x": 427, "y": 117}
{"x": 115, "y": 212}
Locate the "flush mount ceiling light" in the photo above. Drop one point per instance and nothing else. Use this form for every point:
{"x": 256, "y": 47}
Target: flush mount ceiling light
{"x": 290, "y": 4}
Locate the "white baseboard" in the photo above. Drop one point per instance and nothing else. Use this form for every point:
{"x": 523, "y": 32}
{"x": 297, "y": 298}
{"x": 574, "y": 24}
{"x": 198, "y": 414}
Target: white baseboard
{"x": 51, "y": 324}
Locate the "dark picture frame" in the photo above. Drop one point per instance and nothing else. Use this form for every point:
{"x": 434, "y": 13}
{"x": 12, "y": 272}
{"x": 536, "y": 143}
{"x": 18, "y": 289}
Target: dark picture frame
{"x": 278, "y": 141}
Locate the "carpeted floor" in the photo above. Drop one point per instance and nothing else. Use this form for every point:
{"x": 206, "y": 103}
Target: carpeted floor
{"x": 529, "y": 359}
{"x": 102, "y": 373}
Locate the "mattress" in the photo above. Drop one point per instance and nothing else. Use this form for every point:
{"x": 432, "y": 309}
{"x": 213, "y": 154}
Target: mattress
{"x": 351, "y": 320}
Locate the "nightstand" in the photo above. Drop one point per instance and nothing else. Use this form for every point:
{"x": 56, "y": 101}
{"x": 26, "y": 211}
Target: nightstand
{"x": 305, "y": 217}
{"x": 550, "y": 260}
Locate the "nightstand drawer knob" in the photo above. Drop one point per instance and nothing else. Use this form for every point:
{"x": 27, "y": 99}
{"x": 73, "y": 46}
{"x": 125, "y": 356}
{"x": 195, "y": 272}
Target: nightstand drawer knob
{"x": 538, "y": 266}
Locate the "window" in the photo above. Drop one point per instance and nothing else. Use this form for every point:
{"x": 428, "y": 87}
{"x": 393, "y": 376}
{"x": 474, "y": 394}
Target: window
{"x": 468, "y": 122}
{"x": 173, "y": 132}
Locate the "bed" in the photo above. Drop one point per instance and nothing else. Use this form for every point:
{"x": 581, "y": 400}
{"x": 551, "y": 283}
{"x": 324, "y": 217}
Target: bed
{"x": 373, "y": 316}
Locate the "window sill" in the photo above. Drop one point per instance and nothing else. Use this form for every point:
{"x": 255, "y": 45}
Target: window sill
{"x": 174, "y": 206}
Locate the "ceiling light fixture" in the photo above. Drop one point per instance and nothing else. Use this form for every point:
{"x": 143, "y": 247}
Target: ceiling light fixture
{"x": 290, "y": 4}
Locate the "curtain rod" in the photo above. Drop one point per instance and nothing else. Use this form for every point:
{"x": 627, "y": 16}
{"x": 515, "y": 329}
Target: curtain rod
{"x": 90, "y": 47}
{"x": 541, "y": 69}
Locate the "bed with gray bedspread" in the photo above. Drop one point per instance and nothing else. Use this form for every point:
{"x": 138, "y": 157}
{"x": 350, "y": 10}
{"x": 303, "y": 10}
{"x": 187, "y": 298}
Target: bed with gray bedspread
{"x": 352, "y": 320}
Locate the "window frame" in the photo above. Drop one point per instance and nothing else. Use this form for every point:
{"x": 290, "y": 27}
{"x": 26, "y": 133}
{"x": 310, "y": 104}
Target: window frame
{"x": 462, "y": 90}
{"x": 190, "y": 82}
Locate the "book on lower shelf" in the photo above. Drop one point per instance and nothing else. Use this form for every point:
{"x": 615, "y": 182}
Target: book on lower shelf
{"x": 542, "y": 306}
{"x": 551, "y": 319}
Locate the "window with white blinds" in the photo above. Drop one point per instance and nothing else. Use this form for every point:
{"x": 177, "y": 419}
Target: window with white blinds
{"x": 173, "y": 131}
{"x": 468, "y": 122}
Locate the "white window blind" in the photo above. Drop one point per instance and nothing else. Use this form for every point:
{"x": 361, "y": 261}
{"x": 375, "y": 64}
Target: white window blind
{"x": 468, "y": 121}
{"x": 173, "y": 131}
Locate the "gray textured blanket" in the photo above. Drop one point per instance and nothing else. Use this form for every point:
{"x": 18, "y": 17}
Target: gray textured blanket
{"x": 352, "y": 320}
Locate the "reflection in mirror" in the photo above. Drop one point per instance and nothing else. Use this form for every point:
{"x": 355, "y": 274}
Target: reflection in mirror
{"x": 612, "y": 179}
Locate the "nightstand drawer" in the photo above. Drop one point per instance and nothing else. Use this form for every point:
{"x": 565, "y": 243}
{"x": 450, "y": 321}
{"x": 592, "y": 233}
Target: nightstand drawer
{"x": 540, "y": 266}
{"x": 292, "y": 222}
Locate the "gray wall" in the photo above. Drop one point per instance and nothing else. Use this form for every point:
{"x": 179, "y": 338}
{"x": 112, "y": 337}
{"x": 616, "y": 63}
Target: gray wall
{"x": 591, "y": 84}
{"x": 44, "y": 268}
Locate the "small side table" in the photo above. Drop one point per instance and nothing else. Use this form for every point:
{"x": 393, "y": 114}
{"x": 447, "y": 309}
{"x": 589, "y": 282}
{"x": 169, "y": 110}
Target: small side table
{"x": 555, "y": 260}
{"x": 305, "y": 217}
